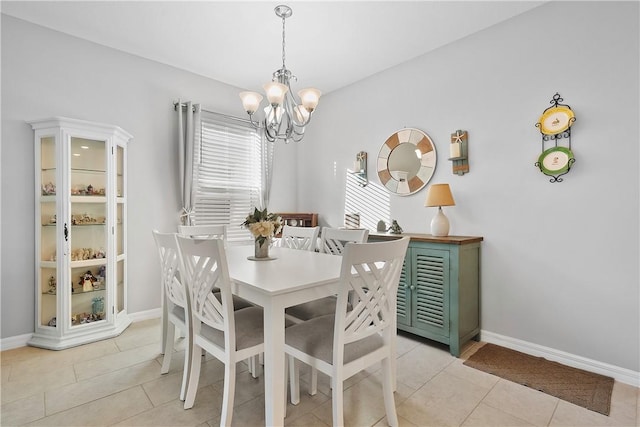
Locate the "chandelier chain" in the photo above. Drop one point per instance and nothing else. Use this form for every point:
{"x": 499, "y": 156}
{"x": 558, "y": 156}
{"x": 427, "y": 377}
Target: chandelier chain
{"x": 283, "y": 19}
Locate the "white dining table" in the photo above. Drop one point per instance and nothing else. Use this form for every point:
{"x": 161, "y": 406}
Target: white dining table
{"x": 291, "y": 277}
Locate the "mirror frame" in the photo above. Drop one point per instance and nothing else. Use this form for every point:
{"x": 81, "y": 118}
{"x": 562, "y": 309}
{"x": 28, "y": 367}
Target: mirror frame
{"x": 428, "y": 161}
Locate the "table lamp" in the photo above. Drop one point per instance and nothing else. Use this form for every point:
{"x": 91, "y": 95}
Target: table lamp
{"x": 439, "y": 195}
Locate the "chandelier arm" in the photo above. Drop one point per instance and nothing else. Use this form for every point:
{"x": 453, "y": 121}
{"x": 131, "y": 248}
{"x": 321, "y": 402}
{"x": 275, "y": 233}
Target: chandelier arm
{"x": 296, "y": 137}
{"x": 292, "y": 106}
{"x": 268, "y": 132}
{"x": 254, "y": 123}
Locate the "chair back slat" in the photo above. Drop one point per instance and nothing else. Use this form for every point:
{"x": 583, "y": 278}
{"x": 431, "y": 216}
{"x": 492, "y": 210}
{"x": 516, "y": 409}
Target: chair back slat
{"x": 370, "y": 273}
{"x": 203, "y": 231}
{"x": 205, "y": 267}
{"x": 333, "y": 240}
{"x": 302, "y": 238}
{"x": 169, "y": 267}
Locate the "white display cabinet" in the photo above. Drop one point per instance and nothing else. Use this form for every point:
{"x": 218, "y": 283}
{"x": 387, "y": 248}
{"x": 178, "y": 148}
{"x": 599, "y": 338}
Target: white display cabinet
{"x": 81, "y": 234}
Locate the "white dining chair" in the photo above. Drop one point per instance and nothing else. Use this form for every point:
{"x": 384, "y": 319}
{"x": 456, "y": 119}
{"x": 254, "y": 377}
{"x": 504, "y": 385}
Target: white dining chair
{"x": 347, "y": 342}
{"x": 203, "y": 231}
{"x": 211, "y": 232}
{"x": 230, "y": 336}
{"x": 174, "y": 300}
{"x": 333, "y": 241}
{"x": 303, "y": 238}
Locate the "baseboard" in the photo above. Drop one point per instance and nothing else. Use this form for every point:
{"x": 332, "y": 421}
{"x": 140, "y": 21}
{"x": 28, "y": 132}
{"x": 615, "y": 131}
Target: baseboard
{"x": 22, "y": 340}
{"x": 146, "y": 315}
{"x": 14, "y": 342}
{"x": 623, "y": 375}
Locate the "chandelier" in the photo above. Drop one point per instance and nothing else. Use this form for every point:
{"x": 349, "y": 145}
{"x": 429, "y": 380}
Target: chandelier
{"x": 284, "y": 118}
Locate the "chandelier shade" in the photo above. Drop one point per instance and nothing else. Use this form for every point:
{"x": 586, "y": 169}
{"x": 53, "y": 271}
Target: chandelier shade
{"x": 250, "y": 101}
{"x": 285, "y": 118}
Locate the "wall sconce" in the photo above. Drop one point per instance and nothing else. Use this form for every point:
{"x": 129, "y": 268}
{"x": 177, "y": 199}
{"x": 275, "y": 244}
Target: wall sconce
{"x": 360, "y": 168}
{"x": 459, "y": 152}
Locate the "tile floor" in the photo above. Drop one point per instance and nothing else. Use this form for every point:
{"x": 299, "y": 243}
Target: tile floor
{"x": 118, "y": 382}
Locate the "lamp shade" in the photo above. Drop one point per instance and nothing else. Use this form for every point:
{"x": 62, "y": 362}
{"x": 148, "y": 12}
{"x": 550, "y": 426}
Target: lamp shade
{"x": 250, "y": 101}
{"x": 439, "y": 195}
{"x": 275, "y": 92}
{"x": 309, "y": 98}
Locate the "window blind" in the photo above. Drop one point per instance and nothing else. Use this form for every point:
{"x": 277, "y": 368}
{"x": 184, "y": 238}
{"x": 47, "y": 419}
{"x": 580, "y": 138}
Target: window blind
{"x": 226, "y": 173}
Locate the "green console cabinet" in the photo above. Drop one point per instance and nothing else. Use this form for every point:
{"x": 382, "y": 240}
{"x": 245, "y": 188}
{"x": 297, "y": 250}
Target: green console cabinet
{"x": 439, "y": 290}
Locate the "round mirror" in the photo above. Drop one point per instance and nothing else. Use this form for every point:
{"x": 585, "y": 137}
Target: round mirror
{"x": 406, "y": 162}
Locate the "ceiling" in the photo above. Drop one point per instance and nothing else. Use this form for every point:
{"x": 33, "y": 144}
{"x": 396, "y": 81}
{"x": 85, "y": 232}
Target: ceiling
{"x": 329, "y": 45}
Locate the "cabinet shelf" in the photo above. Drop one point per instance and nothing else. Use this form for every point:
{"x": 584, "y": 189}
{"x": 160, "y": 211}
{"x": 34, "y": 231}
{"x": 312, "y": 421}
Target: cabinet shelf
{"x": 92, "y": 171}
{"x": 89, "y": 224}
{"x": 77, "y": 292}
{"x": 88, "y": 199}
{"x": 88, "y": 262}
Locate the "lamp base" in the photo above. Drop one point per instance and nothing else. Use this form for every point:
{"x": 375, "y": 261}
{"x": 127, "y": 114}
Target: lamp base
{"x": 440, "y": 224}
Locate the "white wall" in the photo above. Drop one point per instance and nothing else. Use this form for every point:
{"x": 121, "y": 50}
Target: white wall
{"x": 559, "y": 261}
{"x": 46, "y": 73}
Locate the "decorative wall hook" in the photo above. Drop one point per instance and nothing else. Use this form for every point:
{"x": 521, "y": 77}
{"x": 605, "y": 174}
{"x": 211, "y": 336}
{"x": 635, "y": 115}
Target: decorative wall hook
{"x": 360, "y": 168}
{"x": 459, "y": 152}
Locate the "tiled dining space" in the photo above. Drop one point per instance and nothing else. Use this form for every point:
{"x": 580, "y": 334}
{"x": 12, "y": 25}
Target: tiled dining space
{"x": 118, "y": 382}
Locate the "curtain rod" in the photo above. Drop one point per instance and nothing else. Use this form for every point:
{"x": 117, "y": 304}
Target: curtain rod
{"x": 184, "y": 105}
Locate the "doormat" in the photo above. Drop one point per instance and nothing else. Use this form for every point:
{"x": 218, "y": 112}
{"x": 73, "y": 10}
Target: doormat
{"x": 583, "y": 388}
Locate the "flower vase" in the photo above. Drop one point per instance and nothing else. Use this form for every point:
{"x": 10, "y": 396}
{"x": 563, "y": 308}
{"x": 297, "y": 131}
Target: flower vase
{"x": 262, "y": 250}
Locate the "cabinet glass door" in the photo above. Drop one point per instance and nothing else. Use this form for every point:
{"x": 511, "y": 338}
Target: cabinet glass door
{"x": 120, "y": 230}
{"x": 88, "y": 230}
{"x": 48, "y": 274}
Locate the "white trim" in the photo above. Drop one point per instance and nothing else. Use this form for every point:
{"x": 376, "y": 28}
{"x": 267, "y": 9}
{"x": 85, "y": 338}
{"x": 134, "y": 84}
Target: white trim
{"x": 15, "y": 342}
{"x": 10, "y": 343}
{"x": 623, "y": 375}
{"x": 146, "y": 315}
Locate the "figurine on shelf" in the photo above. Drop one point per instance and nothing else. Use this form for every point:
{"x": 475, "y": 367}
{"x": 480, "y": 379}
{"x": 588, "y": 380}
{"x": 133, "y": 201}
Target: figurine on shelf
{"x": 382, "y": 226}
{"x": 52, "y": 285}
{"x": 97, "y": 306}
{"x": 90, "y": 189}
{"x": 101, "y": 272}
{"x": 86, "y": 281}
{"x": 52, "y": 322}
{"x": 49, "y": 189}
{"x": 101, "y": 254}
{"x": 395, "y": 228}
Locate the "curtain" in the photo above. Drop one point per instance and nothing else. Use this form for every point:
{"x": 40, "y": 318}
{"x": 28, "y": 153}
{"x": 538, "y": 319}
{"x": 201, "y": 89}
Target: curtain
{"x": 188, "y": 135}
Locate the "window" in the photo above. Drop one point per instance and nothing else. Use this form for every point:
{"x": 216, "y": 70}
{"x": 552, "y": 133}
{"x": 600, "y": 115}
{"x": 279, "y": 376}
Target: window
{"x": 226, "y": 173}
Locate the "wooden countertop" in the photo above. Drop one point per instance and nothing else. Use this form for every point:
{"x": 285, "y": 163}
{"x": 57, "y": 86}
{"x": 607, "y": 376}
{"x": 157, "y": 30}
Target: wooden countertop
{"x": 417, "y": 237}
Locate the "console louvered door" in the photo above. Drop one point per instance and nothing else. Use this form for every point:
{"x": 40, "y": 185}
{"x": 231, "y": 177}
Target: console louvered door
{"x": 430, "y": 290}
{"x": 404, "y": 296}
